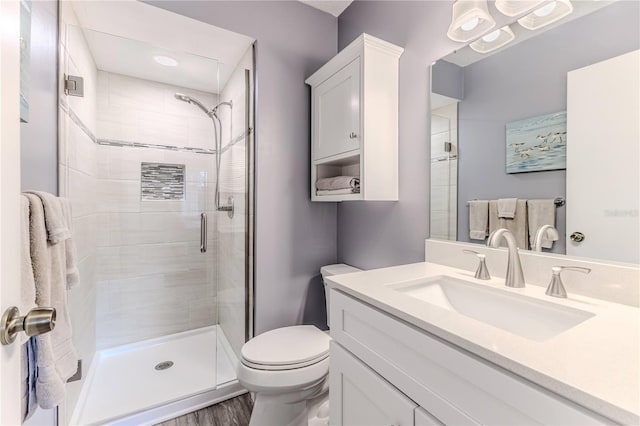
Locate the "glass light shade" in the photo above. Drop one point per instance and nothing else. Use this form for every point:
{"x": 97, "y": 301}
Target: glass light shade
{"x": 546, "y": 15}
{"x": 493, "y": 41}
{"x": 469, "y": 20}
{"x": 517, "y": 7}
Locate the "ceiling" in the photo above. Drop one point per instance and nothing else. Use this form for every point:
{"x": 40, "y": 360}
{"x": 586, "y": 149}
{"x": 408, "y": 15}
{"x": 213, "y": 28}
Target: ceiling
{"x": 121, "y": 42}
{"x": 333, "y": 7}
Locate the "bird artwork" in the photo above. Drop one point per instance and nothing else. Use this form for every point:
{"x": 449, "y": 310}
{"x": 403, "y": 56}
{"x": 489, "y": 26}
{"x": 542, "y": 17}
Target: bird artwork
{"x": 537, "y": 144}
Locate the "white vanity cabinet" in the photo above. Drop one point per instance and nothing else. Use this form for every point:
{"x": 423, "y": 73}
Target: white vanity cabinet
{"x": 397, "y": 366}
{"x": 359, "y": 396}
{"x": 354, "y": 119}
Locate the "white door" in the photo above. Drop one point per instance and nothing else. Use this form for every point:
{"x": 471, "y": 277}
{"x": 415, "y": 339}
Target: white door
{"x": 360, "y": 397}
{"x": 336, "y": 106}
{"x": 603, "y": 159}
{"x": 9, "y": 202}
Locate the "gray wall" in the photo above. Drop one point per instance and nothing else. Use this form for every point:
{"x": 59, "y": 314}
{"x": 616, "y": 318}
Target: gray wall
{"x": 377, "y": 234}
{"x": 294, "y": 237}
{"x": 380, "y": 234}
{"x": 39, "y": 137}
{"x": 531, "y": 81}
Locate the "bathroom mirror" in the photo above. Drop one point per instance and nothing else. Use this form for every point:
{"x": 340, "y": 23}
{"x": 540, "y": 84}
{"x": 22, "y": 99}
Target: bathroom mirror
{"x": 499, "y": 130}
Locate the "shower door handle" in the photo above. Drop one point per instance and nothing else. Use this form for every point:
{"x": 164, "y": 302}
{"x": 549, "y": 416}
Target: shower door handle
{"x": 203, "y": 232}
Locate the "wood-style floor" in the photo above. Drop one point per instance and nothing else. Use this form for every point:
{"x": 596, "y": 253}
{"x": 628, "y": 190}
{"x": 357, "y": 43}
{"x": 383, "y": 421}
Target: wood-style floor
{"x": 232, "y": 412}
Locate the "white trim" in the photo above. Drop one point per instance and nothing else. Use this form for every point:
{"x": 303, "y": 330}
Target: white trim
{"x": 346, "y": 55}
{"x": 10, "y": 395}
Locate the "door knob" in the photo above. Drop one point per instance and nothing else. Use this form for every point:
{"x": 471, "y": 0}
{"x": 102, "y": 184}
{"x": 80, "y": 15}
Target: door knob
{"x": 577, "y": 237}
{"x": 353, "y": 135}
{"x": 37, "y": 321}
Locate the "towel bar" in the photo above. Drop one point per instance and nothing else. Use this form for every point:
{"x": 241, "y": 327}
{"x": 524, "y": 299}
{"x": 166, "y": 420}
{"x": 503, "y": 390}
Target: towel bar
{"x": 558, "y": 201}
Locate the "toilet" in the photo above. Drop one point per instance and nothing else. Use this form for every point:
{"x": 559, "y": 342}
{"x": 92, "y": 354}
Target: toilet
{"x": 288, "y": 370}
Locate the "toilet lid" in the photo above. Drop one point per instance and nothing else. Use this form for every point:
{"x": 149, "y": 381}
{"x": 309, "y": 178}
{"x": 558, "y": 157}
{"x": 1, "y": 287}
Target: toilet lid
{"x": 287, "y": 347}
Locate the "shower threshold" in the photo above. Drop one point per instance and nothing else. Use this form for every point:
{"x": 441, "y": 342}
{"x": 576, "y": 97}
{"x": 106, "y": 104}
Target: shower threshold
{"x": 155, "y": 380}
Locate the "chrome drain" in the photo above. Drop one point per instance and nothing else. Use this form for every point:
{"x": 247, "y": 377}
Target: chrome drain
{"x": 163, "y": 365}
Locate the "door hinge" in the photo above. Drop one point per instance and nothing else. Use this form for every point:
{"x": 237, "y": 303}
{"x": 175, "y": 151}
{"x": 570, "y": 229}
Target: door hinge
{"x": 74, "y": 85}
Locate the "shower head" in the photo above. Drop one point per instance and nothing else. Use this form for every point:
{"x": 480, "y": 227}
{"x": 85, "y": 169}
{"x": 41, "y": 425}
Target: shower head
{"x": 193, "y": 101}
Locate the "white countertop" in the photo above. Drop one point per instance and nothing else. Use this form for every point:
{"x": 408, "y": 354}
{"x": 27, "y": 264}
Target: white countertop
{"x": 594, "y": 364}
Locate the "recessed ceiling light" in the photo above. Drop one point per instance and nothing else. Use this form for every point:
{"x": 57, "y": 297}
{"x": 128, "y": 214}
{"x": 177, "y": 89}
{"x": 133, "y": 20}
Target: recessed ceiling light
{"x": 167, "y": 61}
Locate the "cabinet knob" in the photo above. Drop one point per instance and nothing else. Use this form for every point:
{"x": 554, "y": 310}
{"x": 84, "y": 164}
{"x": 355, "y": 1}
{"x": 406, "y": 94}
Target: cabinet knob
{"x": 353, "y": 135}
{"x": 577, "y": 237}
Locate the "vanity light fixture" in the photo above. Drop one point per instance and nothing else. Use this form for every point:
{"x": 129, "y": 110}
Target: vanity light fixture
{"x": 167, "y": 61}
{"x": 494, "y": 40}
{"x": 469, "y": 20}
{"x": 517, "y": 7}
{"x": 547, "y": 14}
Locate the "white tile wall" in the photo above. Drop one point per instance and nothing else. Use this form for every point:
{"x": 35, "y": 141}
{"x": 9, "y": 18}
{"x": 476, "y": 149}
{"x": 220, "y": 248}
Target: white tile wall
{"x": 137, "y": 110}
{"x": 77, "y": 180}
{"x": 232, "y": 232}
{"x": 150, "y": 264}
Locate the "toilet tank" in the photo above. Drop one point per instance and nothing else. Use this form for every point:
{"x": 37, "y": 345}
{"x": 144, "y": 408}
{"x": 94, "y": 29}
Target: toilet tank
{"x": 335, "y": 269}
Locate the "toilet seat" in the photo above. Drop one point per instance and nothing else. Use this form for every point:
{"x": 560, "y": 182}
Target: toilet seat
{"x": 286, "y": 348}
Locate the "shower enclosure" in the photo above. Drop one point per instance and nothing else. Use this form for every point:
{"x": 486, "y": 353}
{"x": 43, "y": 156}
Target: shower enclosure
{"x": 155, "y": 154}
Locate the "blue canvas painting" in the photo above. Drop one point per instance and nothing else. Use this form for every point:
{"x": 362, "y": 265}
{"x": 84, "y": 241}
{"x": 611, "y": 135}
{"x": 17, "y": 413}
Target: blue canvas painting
{"x": 537, "y": 144}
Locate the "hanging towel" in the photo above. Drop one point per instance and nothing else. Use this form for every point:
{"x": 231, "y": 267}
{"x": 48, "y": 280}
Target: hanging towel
{"x": 55, "y": 221}
{"x": 29, "y": 377}
{"x": 541, "y": 212}
{"x": 478, "y": 219}
{"x": 28, "y": 286}
{"x": 27, "y": 302}
{"x": 507, "y": 208}
{"x": 73, "y": 274}
{"x": 517, "y": 225}
{"x": 56, "y": 357}
{"x": 337, "y": 182}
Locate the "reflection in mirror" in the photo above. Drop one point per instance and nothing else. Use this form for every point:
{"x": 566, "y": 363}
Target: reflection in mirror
{"x": 507, "y": 119}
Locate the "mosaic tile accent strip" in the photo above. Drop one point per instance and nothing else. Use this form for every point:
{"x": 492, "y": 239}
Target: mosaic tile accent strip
{"x": 160, "y": 181}
{"x": 114, "y": 142}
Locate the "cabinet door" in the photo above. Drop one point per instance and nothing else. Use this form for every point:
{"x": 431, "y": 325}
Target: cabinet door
{"x": 336, "y": 108}
{"x": 360, "y": 397}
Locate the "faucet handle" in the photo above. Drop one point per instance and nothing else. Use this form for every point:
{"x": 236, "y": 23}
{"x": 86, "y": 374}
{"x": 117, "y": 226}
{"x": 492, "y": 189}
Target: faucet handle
{"x": 482, "y": 273}
{"x": 556, "y": 288}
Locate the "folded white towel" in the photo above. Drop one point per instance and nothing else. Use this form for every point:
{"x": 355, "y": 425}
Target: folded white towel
{"x": 478, "y": 219}
{"x": 517, "y": 225}
{"x": 507, "y": 208}
{"x": 338, "y": 182}
{"x": 56, "y": 357}
{"x": 541, "y": 212}
{"x": 338, "y": 191}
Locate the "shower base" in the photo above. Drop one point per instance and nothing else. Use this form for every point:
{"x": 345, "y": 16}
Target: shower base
{"x": 137, "y": 384}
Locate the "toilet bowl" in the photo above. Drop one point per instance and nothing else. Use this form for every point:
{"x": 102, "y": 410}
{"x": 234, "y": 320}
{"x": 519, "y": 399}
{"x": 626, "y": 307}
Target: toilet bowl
{"x": 288, "y": 370}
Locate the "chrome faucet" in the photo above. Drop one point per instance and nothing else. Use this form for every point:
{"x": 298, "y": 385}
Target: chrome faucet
{"x": 544, "y": 231}
{"x": 515, "y": 277}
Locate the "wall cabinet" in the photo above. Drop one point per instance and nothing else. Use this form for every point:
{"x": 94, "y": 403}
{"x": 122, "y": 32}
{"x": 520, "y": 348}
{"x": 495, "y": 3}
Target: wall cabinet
{"x": 446, "y": 384}
{"x": 354, "y": 120}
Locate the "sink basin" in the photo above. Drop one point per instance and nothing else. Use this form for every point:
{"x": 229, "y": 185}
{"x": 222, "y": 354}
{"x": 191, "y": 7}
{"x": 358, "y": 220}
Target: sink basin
{"x": 527, "y": 317}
